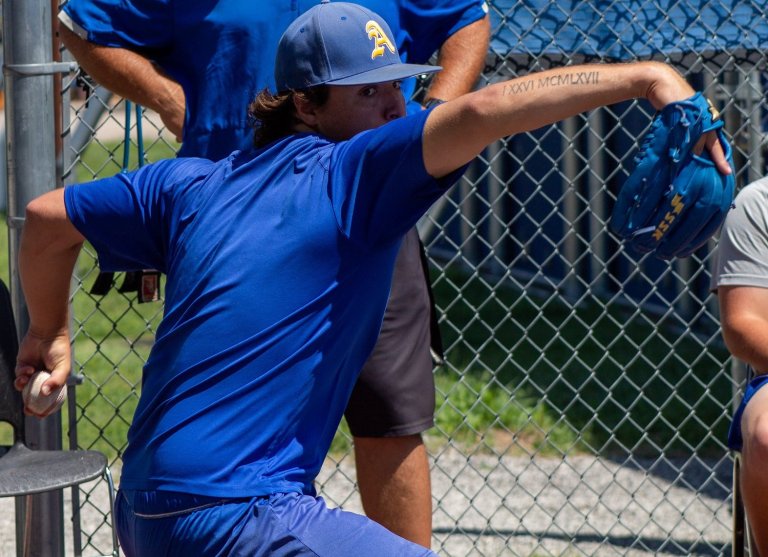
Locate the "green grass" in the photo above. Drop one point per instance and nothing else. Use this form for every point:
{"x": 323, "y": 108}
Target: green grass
{"x": 103, "y": 159}
{"x": 618, "y": 379}
{"x": 113, "y": 337}
{"x": 525, "y": 373}
{"x": 476, "y": 411}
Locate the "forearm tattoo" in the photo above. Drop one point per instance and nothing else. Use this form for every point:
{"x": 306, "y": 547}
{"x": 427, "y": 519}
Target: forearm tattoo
{"x": 560, "y": 80}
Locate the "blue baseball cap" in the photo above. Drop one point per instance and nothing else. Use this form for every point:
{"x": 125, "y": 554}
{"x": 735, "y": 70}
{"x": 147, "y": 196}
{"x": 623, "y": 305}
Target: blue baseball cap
{"x": 339, "y": 43}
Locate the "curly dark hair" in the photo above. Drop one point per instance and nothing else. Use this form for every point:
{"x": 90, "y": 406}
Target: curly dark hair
{"x": 274, "y": 116}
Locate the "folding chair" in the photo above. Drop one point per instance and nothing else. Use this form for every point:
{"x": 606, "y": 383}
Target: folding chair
{"x": 23, "y": 471}
{"x": 740, "y": 541}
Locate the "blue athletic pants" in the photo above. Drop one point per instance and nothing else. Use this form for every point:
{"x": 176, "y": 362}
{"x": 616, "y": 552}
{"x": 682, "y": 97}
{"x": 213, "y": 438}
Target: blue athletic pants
{"x": 735, "y": 440}
{"x": 162, "y": 523}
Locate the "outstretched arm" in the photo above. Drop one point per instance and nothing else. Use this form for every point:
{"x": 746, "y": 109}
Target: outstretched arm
{"x": 459, "y": 130}
{"x": 48, "y": 251}
{"x": 131, "y": 76}
{"x": 462, "y": 57}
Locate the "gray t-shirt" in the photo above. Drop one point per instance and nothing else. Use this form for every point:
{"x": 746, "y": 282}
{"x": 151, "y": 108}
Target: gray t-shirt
{"x": 742, "y": 256}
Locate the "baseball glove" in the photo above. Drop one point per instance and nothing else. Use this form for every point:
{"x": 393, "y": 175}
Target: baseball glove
{"x": 674, "y": 200}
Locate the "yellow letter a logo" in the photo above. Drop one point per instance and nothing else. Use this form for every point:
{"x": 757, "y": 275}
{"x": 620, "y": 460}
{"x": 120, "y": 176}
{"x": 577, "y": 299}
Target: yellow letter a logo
{"x": 380, "y": 39}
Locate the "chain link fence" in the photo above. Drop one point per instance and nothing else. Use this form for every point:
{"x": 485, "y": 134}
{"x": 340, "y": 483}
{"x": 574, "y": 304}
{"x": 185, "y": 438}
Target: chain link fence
{"x": 586, "y": 394}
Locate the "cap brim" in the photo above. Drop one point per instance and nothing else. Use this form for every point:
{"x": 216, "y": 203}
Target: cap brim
{"x": 393, "y": 72}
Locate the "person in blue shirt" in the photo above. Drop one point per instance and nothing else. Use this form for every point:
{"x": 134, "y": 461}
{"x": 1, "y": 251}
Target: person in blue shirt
{"x": 279, "y": 261}
{"x": 199, "y": 64}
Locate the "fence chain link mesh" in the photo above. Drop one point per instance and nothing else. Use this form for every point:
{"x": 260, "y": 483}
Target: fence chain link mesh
{"x": 586, "y": 394}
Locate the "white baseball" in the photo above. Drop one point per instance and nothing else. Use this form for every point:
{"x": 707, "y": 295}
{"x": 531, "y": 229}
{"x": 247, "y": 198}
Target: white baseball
{"x": 38, "y": 403}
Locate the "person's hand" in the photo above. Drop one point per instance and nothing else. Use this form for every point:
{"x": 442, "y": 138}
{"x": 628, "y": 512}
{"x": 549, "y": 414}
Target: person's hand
{"x": 37, "y": 353}
{"x": 715, "y": 150}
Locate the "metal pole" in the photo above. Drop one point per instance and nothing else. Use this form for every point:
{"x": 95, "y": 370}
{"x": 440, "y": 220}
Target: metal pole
{"x": 597, "y": 188}
{"x": 85, "y": 128}
{"x": 31, "y": 167}
{"x": 754, "y": 95}
{"x": 570, "y": 172}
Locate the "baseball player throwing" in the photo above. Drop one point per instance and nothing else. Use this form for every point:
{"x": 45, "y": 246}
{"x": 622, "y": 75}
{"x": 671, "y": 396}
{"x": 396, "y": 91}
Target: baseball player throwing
{"x": 279, "y": 262}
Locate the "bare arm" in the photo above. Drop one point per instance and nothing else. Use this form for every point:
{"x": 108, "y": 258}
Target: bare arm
{"x": 48, "y": 251}
{"x": 744, "y": 320}
{"x": 462, "y": 58}
{"x": 131, "y": 76}
{"x": 457, "y": 131}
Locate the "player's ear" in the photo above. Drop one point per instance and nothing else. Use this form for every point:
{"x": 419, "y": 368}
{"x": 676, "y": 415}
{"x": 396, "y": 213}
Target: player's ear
{"x": 306, "y": 110}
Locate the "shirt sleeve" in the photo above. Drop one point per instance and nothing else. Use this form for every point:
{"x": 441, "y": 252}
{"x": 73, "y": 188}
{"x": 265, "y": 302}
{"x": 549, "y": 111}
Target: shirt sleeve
{"x": 428, "y": 23}
{"x": 121, "y": 23}
{"x": 742, "y": 253}
{"x": 127, "y": 217}
{"x": 378, "y": 184}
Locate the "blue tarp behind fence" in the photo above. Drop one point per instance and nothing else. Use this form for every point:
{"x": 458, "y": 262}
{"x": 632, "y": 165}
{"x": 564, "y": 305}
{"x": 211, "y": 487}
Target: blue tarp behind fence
{"x": 627, "y": 29}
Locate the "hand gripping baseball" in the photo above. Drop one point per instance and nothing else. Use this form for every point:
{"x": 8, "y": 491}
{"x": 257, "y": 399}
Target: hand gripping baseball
{"x": 42, "y": 369}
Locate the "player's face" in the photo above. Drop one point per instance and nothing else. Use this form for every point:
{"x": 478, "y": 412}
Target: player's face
{"x": 351, "y": 109}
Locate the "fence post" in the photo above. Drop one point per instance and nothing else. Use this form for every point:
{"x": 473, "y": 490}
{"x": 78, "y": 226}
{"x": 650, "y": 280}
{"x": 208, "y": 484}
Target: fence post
{"x": 31, "y": 167}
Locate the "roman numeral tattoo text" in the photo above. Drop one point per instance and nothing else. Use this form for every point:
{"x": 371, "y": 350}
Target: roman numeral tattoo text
{"x": 534, "y": 83}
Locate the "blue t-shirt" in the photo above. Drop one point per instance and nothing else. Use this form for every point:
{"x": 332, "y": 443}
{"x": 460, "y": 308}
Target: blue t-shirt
{"x": 279, "y": 262}
{"x": 223, "y": 52}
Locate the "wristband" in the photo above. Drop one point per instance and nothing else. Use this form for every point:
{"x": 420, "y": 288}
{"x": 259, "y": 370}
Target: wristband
{"x": 429, "y": 103}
